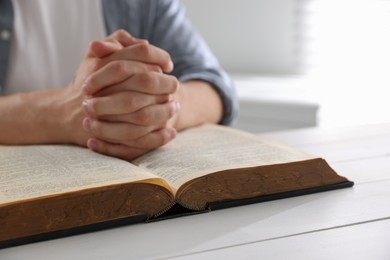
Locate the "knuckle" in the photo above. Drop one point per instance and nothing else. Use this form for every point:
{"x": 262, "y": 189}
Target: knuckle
{"x": 146, "y": 80}
{"x": 97, "y": 64}
{"x": 143, "y": 117}
{"x": 118, "y": 34}
{"x": 130, "y": 133}
{"x": 92, "y": 80}
{"x": 141, "y": 142}
{"x": 118, "y": 67}
{"x": 131, "y": 102}
{"x": 121, "y": 32}
{"x": 144, "y": 50}
{"x": 149, "y": 141}
{"x": 154, "y": 68}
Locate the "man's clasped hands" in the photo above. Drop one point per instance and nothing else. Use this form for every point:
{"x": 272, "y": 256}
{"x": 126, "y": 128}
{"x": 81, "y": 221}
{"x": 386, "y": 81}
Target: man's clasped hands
{"x": 122, "y": 97}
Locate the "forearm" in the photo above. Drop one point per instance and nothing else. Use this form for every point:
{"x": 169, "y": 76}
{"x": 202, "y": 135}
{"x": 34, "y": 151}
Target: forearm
{"x": 199, "y": 102}
{"x": 32, "y": 118}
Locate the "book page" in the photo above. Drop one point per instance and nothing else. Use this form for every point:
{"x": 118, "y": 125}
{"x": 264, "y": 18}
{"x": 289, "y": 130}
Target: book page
{"x": 210, "y": 148}
{"x": 32, "y": 171}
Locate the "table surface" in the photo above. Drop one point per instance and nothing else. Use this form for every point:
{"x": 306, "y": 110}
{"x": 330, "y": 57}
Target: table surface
{"x": 352, "y": 223}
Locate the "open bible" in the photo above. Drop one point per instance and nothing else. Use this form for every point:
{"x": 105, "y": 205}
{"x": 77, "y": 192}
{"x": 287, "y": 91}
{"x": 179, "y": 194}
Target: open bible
{"x": 49, "y": 191}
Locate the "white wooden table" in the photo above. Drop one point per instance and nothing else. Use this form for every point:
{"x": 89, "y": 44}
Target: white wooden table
{"x": 352, "y": 223}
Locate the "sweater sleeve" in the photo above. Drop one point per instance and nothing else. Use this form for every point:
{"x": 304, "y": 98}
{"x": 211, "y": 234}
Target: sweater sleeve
{"x": 193, "y": 60}
{"x": 6, "y": 29}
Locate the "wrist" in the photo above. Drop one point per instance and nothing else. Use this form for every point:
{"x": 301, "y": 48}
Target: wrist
{"x": 199, "y": 104}
{"x": 52, "y": 117}
{"x": 68, "y": 116}
{"x": 50, "y": 122}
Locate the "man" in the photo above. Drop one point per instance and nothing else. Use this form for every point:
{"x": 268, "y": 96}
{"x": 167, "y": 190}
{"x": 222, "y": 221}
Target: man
{"x": 128, "y": 96}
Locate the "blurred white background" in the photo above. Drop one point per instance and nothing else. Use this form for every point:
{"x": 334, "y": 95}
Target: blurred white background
{"x": 299, "y": 63}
